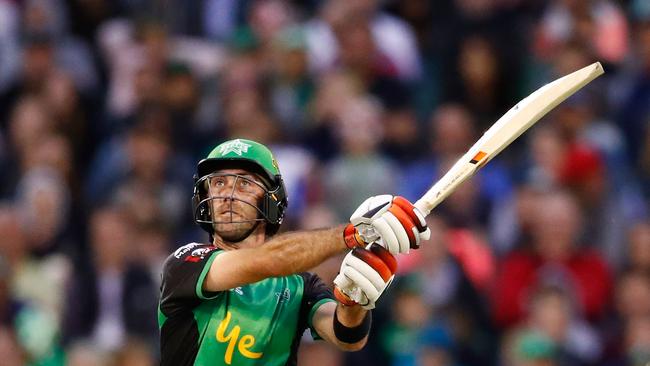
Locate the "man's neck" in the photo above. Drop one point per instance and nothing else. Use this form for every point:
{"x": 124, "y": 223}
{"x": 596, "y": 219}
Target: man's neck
{"x": 255, "y": 239}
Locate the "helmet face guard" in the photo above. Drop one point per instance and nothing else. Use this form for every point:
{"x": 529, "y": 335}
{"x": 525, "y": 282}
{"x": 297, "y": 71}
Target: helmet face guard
{"x": 242, "y": 187}
{"x": 256, "y": 159}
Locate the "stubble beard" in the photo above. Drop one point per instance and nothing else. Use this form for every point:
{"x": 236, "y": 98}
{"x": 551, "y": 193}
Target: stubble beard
{"x": 236, "y": 225}
{"x": 233, "y": 232}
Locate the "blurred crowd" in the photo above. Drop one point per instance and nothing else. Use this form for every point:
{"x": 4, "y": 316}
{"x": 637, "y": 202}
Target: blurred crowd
{"x": 542, "y": 259}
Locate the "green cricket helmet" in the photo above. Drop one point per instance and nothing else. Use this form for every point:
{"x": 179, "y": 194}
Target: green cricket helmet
{"x": 250, "y": 156}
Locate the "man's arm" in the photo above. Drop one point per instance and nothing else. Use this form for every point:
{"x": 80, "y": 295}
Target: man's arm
{"x": 348, "y": 316}
{"x": 282, "y": 255}
{"x": 395, "y": 223}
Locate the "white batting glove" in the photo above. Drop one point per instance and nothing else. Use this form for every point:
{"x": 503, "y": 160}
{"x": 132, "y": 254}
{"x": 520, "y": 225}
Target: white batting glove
{"x": 364, "y": 276}
{"x": 391, "y": 221}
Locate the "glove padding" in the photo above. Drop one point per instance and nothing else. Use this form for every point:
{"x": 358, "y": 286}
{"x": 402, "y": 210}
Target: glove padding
{"x": 393, "y": 222}
{"x": 364, "y": 276}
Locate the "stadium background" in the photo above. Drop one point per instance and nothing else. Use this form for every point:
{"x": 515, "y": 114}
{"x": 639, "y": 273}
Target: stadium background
{"x": 106, "y": 106}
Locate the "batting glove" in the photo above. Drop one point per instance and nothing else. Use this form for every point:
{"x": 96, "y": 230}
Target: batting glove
{"x": 364, "y": 276}
{"x": 392, "y": 222}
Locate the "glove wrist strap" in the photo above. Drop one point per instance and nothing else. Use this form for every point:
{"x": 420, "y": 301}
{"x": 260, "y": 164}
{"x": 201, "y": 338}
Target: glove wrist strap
{"x": 351, "y": 237}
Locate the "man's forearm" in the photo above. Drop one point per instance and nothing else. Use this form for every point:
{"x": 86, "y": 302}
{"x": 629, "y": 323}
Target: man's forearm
{"x": 280, "y": 256}
{"x": 350, "y": 316}
{"x": 300, "y": 251}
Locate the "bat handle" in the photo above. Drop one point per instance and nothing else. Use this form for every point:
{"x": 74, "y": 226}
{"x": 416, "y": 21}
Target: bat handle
{"x": 424, "y": 208}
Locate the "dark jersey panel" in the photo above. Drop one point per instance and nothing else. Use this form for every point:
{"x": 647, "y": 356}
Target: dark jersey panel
{"x": 181, "y": 272}
{"x": 315, "y": 291}
{"x": 179, "y": 350}
{"x": 178, "y": 297}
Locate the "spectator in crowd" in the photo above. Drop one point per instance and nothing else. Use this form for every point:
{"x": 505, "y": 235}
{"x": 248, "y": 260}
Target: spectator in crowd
{"x": 595, "y": 170}
{"x": 631, "y": 306}
{"x": 391, "y": 34}
{"x": 414, "y": 336}
{"x": 334, "y": 91}
{"x": 112, "y": 297}
{"x": 481, "y": 85}
{"x": 552, "y": 257}
{"x": 633, "y": 112}
{"x": 552, "y": 313}
{"x": 292, "y": 87}
{"x": 452, "y": 283}
{"x": 566, "y": 21}
{"x": 181, "y": 99}
{"x": 360, "y": 130}
{"x": 37, "y": 64}
{"x": 27, "y": 127}
{"x": 141, "y": 163}
{"x": 50, "y": 19}
{"x": 608, "y": 211}
{"x": 154, "y": 242}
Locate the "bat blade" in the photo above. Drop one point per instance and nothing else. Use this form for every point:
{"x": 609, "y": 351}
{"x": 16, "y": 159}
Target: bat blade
{"x": 510, "y": 126}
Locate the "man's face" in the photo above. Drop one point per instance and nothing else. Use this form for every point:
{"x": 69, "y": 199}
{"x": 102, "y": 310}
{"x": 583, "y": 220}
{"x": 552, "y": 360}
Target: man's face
{"x": 236, "y": 195}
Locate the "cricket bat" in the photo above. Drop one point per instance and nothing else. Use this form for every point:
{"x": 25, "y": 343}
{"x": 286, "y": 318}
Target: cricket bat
{"x": 510, "y": 126}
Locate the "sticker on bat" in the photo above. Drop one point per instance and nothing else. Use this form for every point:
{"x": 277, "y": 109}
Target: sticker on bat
{"x": 478, "y": 157}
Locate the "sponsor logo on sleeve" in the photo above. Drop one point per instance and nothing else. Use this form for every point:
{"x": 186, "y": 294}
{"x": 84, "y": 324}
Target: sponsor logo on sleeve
{"x": 196, "y": 252}
{"x": 199, "y": 254}
{"x": 184, "y": 249}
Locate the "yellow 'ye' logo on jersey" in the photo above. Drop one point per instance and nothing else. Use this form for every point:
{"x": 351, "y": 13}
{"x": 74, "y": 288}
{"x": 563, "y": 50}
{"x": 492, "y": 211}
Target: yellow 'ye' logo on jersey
{"x": 244, "y": 345}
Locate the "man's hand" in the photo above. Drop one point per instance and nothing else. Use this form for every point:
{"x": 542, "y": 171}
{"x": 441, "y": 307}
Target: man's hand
{"x": 364, "y": 275}
{"x": 392, "y": 222}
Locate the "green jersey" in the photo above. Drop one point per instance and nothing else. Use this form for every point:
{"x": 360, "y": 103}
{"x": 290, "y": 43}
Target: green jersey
{"x": 256, "y": 324}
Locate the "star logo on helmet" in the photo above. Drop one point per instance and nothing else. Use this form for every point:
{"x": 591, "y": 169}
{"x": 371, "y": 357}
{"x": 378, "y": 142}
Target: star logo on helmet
{"x": 235, "y": 146}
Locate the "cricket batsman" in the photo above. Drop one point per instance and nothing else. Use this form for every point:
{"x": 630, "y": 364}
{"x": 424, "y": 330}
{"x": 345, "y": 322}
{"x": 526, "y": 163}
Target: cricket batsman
{"x": 245, "y": 298}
